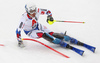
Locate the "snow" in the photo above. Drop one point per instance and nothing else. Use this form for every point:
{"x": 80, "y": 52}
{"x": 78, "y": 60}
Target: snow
{"x": 77, "y": 10}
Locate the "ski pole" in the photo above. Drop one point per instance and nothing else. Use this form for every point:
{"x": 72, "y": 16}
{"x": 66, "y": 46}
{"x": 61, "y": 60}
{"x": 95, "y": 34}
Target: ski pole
{"x": 46, "y": 46}
{"x": 51, "y": 22}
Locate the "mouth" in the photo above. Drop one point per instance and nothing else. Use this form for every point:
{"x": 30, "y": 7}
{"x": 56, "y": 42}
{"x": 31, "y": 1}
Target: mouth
{"x": 32, "y": 15}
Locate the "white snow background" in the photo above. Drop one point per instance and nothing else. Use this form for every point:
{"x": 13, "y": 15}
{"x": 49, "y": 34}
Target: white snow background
{"x": 77, "y": 10}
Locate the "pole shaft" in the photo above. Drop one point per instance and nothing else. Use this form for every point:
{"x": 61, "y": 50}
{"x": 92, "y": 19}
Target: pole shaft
{"x": 70, "y": 21}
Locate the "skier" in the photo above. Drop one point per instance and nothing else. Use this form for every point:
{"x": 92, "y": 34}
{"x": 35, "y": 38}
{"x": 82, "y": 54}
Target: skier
{"x": 29, "y": 23}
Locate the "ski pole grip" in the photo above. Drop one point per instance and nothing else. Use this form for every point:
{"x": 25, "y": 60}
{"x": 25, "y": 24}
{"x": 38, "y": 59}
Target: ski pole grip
{"x": 51, "y": 22}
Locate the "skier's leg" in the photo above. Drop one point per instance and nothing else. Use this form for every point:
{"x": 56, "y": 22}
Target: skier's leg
{"x": 67, "y": 38}
{"x": 61, "y": 43}
{"x": 61, "y": 36}
{"x": 50, "y": 38}
{"x": 74, "y": 41}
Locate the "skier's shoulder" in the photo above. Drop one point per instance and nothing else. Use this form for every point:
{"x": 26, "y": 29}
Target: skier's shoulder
{"x": 24, "y": 14}
{"x": 23, "y": 17}
{"x": 42, "y": 9}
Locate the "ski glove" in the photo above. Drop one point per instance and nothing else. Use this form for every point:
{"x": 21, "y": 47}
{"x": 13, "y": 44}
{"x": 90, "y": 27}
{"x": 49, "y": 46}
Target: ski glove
{"x": 20, "y": 43}
{"x": 19, "y": 39}
{"x": 50, "y": 18}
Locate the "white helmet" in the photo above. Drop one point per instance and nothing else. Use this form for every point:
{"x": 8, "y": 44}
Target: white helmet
{"x": 30, "y": 8}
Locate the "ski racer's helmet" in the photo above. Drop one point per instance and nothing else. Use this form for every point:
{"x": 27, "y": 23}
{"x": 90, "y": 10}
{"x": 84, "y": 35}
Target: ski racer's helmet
{"x": 30, "y": 8}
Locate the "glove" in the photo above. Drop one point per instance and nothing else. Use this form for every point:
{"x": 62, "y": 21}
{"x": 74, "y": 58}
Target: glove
{"x": 50, "y": 18}
{"x": 19, "y": 39}
{"x": 20, "y": 43}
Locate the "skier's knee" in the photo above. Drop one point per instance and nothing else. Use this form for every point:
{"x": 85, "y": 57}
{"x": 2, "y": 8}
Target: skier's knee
{"x": 51, "y": 33}
{"x": 47, "y": 37}
{"x": 54, "y": 40}
{"x": 58, "y": 35}
{"x": 61, "y": 36}
{"x": 50, "y": 38}
{"x": 66, "y": 38}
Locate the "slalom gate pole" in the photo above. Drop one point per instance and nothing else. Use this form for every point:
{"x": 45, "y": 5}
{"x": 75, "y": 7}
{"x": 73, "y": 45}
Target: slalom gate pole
{"x": 1, "y": 45}
{"x": 46, "y": 46}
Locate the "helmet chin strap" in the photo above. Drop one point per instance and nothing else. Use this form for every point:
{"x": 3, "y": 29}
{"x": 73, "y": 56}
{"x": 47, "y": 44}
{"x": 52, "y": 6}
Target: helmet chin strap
{"x": 32, "y": 16}
{"x": 29, "y": 15}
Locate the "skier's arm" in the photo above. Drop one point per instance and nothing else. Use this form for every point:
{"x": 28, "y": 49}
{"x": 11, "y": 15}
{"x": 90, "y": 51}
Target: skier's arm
{"x": 44, "y": 11}
{"x": 20, "y": 27}
{"x": 48, "y": 12}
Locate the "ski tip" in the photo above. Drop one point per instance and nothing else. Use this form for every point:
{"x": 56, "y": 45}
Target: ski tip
{"x": 82, "y": 53}
{"x": 94, "y": 50}
{"x": 91, "y": 48}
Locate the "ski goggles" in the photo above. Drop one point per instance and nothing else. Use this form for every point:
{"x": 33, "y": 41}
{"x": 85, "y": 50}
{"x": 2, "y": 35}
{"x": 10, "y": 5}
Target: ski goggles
{"x": 32, "y": 11}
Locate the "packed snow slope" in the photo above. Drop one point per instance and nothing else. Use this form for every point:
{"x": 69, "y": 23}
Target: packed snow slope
{"x": 76, "y": 10}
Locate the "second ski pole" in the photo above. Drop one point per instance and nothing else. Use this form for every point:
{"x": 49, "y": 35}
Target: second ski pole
{"x": 51, "y": 22}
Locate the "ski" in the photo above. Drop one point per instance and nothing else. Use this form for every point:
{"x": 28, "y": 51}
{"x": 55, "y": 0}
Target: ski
{"x": 75, "y": 41}
{"x": 80, "y": 52}
{"x": 91, "y": 48}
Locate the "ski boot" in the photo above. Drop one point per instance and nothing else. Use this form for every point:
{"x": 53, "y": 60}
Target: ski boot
{"x": 75, "y": 41}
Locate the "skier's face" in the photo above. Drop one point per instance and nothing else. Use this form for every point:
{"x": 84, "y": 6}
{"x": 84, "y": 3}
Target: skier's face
{"x": 32, "y": 15}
